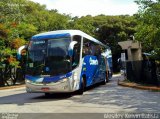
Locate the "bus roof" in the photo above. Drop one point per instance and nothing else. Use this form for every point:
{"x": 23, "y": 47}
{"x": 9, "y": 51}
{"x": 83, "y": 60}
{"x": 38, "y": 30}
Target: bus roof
{"x": 65, "y": 33}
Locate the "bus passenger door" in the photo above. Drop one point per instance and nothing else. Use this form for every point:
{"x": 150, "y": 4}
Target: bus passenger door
{"x": 90, "y": 63}
{"x": 90, "y": 69}
{"x": 102, "y": 68}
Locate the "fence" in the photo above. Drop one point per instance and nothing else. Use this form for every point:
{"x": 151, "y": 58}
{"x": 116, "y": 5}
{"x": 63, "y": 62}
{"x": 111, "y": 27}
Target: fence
{"x": 10, "y": 75}
{"x": 146, "y": 71}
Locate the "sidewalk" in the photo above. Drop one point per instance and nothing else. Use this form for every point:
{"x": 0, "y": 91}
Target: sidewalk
{"x": 12, "y": 87}
{"x": 138, "y": 86}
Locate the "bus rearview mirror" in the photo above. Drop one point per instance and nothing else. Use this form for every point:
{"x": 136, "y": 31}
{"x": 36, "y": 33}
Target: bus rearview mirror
{"x": 19, "y": 52}
{"x": 71, "y": 47}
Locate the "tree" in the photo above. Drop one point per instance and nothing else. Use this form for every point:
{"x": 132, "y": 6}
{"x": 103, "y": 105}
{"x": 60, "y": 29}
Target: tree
{"x": 16, "y": 43}
{"x": 113, "y": 29}
{"x": 148, "y": 30}
{"x": 85, "y": 24}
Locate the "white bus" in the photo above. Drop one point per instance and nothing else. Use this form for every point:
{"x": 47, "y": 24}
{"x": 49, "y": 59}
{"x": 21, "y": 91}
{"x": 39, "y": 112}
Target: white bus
{"x": 64, "y": 61}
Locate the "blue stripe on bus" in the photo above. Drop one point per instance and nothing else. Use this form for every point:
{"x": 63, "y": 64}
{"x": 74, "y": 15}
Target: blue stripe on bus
{"x": 90, "y": 69}
{"x": 50, "y": 36}
{"x": 49, "y": 79}
{"x": 56, "y": 78}
{"x": 32, "y": 78}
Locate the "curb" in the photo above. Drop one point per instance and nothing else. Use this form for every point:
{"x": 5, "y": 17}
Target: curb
{"x": 12, "y": 87}
{"x": 138, "y": 86}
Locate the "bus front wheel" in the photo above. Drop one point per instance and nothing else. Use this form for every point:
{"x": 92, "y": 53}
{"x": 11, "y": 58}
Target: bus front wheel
{"x": 82, "y": 86}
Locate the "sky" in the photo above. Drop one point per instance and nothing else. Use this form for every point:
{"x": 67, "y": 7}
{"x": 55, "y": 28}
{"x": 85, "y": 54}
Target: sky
{"x": 91, "y": 7}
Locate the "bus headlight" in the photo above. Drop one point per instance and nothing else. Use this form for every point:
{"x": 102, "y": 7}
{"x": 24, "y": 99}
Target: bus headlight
{"x": 28, "y": 81}
{"x": 64, "y": 80}
{"x": 75, "y": 76}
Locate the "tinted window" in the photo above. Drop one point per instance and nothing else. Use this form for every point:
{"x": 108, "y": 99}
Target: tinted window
{"x": 76, "y": 51}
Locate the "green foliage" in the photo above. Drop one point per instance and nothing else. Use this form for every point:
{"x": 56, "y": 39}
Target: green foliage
{"x": 16, "y": 43}
{"x": 57, "y": 21}
{"x": 84, "y": 24}
{"x": 26, "y": 30}
{"x": 8, "y": 55}
{"x": 148, "y": 30}
{"x": 113, "y": 29}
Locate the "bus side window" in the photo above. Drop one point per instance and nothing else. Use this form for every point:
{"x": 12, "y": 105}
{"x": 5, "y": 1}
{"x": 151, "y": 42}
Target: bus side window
{"x": 98, "y": 50}
{"x": 93, "y": 49}
{"x": 76, "y": 51}
{"x": 86, "y": 47}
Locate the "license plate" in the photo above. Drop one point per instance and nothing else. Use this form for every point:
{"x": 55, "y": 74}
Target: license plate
{"x": 45, "y": 89}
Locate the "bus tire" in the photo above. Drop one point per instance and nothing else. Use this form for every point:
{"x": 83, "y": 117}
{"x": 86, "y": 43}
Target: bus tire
{"x": 82, "y": 86}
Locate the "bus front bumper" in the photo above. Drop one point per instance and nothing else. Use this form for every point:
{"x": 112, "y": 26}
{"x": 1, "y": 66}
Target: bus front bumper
{"x": 62, "y": 86}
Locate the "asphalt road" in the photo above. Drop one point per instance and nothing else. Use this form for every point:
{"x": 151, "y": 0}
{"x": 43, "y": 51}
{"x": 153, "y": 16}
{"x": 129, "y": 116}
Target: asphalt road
{"x": 109, "y": 98}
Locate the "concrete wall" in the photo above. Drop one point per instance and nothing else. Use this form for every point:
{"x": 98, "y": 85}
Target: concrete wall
{"x": 134, "y": 49}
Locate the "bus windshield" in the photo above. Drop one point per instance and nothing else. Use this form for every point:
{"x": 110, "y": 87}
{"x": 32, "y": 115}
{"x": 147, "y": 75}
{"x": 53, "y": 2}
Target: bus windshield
{"x": 48, "y": 57}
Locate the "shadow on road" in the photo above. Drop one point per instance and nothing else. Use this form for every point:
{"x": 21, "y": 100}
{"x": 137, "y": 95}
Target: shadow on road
{"x": 21, "y": 99}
